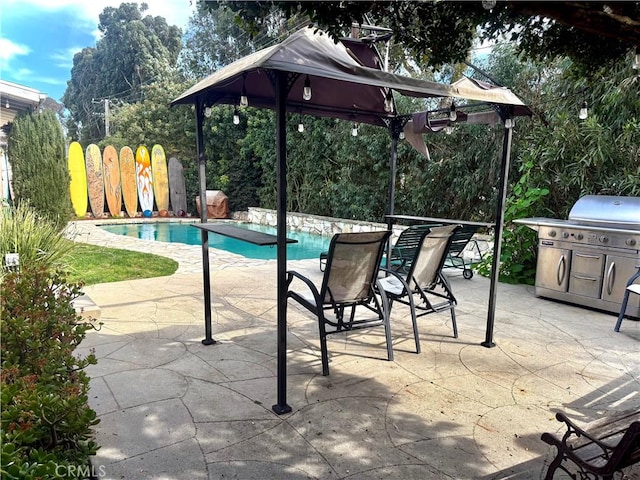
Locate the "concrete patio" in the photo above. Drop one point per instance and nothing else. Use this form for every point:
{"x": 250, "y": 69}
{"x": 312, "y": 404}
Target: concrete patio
{"x": 172, "y": 408}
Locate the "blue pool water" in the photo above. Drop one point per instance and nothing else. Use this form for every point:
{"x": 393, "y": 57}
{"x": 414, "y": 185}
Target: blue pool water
{"x": 308, "y": 246}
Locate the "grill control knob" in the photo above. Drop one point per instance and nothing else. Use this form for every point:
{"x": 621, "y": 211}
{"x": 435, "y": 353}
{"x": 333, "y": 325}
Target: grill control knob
{"x": 579, "y": 236}
{"x": 552, "y": 233}
{"x": 604, "y": 239}
{"x": 630, "y": 242}
{"x": 565, "y": 234}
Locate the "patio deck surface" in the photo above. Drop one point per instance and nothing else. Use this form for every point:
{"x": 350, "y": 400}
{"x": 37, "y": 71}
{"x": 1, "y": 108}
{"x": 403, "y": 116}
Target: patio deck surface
{"x": 172, "y": 408}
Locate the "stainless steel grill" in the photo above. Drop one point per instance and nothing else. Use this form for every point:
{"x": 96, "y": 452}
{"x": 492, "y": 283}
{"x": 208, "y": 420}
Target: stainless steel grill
{"x": 588, "y": 258}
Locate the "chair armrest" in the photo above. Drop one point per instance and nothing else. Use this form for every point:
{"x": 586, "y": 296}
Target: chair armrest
{"x": 401, "y": 278}
{"x": 389, "y": 270}
{"x": 386, "y": 308}
{"x": 314, "y": 290}
{"x": 393, "y": 272}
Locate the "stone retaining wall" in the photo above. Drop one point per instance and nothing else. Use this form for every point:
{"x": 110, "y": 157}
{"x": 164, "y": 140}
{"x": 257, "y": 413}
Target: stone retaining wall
{"x": 313, "y": 223}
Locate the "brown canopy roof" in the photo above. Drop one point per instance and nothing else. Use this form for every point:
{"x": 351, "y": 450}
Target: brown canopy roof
{"x": 342, "y": 85}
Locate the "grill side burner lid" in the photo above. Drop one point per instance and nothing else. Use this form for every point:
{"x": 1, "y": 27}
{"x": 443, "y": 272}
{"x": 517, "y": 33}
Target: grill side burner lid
{"x": 607, "y": 210}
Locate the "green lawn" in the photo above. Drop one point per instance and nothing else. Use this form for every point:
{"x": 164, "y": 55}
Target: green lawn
{"x": 91, "y": 264}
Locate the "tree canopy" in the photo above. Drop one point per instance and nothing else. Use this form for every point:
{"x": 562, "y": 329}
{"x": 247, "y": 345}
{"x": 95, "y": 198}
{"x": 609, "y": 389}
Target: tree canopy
{"x": 134, "y": 50}
{"x": 212, "y": 40}
{"x": 440, "y": 32}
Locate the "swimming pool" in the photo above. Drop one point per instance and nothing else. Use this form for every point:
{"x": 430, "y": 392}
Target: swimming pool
{"x": 308, "y": 246}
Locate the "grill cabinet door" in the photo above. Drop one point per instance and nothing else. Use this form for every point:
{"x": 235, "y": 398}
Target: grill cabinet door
{"x": 617, "y": 272}
{"x": 552, "y": 269}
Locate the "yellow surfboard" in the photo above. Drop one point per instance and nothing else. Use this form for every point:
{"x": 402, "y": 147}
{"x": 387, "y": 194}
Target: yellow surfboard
{"x": 128, "y": 181}
{"x": 95, "y": 183}
{"x": 160, "y": 179}
{"x": 144, "y": 179}
{"x": 112, "y": 185}
{"x": 78, "y": 184}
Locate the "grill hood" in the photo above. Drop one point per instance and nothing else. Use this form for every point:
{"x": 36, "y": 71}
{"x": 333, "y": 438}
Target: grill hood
{"x": 607, "y": 211}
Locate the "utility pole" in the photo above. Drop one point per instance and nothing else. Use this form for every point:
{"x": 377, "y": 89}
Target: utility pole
{"x": 105, "y": 102}
{"x": 106, "y": 117}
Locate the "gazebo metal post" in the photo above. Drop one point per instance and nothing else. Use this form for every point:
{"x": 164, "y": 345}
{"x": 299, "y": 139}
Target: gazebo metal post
{"x": 499, "y": 228}
{"x": 204, "y": 235}
{"x": 281, "y": 91}
{"x": 393, "y": 166}
{"x": 395, "y": 125}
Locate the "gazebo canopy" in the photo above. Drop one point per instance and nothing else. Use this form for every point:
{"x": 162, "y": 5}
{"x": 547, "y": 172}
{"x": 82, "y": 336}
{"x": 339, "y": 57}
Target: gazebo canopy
{"x": 342, "y": 84}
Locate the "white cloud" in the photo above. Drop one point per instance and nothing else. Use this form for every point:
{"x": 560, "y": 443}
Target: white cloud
{"x": 50, "y": 80}
{"x": 64, "y": 58}
{"x": 22, "y": 74}
{"x": 9, "y": 49}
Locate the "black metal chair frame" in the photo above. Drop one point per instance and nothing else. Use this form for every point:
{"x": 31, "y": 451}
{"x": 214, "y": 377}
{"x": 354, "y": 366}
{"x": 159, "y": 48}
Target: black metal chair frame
{"x": 625, "y": 298}
{"x": 437, "y": 285}
{"x": 325, "y": 301}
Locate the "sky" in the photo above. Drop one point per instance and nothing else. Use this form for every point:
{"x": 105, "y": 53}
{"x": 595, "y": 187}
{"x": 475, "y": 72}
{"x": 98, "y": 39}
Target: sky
{"x": 38, "y": 38}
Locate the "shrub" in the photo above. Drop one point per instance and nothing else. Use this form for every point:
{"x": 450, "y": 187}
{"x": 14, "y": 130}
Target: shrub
{"x": 36, "y": 240}
{"x": 519, "y": 243}
{"x": 45, "y": 427}
{"x": 40, "y": 172}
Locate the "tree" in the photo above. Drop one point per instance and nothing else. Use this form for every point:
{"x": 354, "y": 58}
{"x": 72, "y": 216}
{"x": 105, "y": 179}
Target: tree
{"x": 438, "y": 32}
{"x": 597, "y": 155}
{"x": 229, "y": 168}
{"x": 40, "y": 174}
{"x": 153, "y": 121}
{"x": 78, "y": 97}
{"x": 133, "y": 51}
{"x": 212, "y": 40}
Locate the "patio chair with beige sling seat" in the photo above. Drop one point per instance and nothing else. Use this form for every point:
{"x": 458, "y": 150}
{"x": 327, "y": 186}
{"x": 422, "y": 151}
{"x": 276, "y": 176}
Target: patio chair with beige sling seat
{"x": 402, "y": 252}
{"x": 424, "y": 288}
{"x": 349, "y": 281}
{"x": 406, "y": 246}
